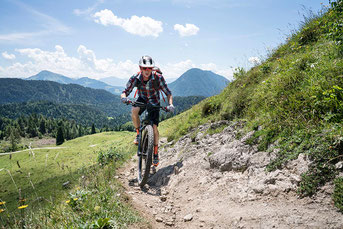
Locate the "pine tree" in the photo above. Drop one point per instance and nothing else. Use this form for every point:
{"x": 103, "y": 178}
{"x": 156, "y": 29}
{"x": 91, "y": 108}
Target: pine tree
{"x": 59, "y": 137}
{"x": 42, "y": 128}
{"x": 14, "y": 138}
{"x": 93, "y": 129}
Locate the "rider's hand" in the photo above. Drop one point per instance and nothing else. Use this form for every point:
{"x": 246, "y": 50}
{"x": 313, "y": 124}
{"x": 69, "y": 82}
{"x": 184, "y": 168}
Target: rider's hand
{"x": 171, "y": 108}
{"x": 125, "y": 100}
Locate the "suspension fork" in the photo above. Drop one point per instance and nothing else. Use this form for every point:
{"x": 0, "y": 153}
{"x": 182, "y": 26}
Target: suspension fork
{"x": 141, "y": 128}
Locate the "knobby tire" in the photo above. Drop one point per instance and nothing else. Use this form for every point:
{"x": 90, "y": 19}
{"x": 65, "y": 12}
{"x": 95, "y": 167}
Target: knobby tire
{"x": 147, "y": 148}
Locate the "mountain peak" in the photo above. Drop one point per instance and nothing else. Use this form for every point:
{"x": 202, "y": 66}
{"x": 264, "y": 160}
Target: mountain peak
{"x": 198, "y": 82}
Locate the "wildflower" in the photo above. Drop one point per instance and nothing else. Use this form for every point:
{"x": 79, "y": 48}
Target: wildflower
{"x": 2, "y": 210}
{"x": 96, "y": 208}
{"x": 67, "y": 201}
{"x": 1, "y": 203}
{"x": 76, "y": 199}
{"x": 23, "y": 206}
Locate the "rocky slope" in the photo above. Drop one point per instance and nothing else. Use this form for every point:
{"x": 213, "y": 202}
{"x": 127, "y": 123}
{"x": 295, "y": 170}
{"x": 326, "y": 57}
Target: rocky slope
{"x": 217, "y": 181}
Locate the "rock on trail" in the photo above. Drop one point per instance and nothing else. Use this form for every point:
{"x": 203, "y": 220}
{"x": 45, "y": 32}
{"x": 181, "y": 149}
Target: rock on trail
{"x": 218, "y": 181}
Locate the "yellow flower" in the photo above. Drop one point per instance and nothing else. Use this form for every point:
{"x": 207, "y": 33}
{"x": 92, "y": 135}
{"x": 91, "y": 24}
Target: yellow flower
{"x": 2, "y": 210}
{"x": 23, "y": 206}
{"x": 1, "y": 203}
{"x": 76, "y": 199}
{"x": 68, "y": 201}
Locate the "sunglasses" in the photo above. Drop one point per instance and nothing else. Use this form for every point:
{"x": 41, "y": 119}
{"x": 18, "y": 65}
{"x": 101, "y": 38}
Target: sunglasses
{"x": 146, "y": 68}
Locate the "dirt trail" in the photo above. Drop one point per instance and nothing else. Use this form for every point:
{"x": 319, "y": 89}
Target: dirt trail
{"x": 218, "y": 181}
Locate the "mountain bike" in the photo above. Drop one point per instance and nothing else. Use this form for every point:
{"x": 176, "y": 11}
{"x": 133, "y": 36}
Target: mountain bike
{"x": 145, "y": 142}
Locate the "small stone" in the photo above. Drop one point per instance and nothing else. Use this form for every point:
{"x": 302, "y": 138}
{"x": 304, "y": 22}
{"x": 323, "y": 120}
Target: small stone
{"x": 159, "y": 219}
{"x": 169, "y": 223}
{"x": 116, "y": 177}
{"x": 188, "y": 217}
{"x": 163, "y": 198}
{"x": 66, "y": 184}
{"x": 258, "y": 189}
{"x": 339, "y": 165}
{"x": 164, "y": 192}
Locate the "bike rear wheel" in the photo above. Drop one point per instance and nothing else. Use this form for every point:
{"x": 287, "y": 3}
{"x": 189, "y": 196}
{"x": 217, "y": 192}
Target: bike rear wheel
{"x": 145, "y": 157}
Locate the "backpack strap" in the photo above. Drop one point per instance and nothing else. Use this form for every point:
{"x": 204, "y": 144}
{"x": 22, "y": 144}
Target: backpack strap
{"x": 157, "y": 84}
{"x": 138, "y": 83}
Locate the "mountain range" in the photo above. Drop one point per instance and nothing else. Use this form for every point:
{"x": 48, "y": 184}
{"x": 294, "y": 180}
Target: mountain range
{"x": 194, "y": 82}
{"x": 84, "y": 81}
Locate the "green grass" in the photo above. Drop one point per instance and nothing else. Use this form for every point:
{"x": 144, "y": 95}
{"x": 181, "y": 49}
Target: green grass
{"x": 39, "y": 180}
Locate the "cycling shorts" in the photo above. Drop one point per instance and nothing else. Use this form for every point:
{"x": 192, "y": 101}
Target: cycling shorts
{"x": 153, "y": 113}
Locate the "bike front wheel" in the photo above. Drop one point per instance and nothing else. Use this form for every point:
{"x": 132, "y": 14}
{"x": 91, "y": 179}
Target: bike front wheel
{"x": 145, "y": 157}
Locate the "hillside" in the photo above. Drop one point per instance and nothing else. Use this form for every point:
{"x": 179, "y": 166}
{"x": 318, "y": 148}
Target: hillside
{"x": 84, "y": 105}
{"x": 84, "y": 81}
{"x": 269, "y": 147}
{"x": 80, "y": 113}
{"x": 60, "y": 180}
{"x": 198, "y": 82}
{"x": 293, "y": 104}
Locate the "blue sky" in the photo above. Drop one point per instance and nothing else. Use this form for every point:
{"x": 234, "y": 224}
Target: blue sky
{"x": 102, "y": 38}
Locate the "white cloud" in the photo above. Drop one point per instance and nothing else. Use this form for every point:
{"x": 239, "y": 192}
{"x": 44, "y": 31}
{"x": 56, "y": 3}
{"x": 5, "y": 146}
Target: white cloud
{"x": 254, "y": 60}
{"x": 58, "y": 61}
{"x": 85, "y": 63}
{"x": 188, "y": 30}
{"x": 89, "y": 10}
{"x": 142, "y": 26}
{"x": 8, "y": 56}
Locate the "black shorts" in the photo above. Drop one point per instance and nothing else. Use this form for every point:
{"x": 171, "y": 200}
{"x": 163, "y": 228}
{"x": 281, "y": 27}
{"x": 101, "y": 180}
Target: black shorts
{"x": 153, "y": 113}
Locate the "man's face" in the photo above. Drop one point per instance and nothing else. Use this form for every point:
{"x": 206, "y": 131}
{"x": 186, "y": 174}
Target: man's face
{"x": 146, "y": 72}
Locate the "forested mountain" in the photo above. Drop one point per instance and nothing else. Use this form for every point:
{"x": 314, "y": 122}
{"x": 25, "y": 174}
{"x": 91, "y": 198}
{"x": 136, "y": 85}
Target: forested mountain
{"x": 74, "y": 102}
{"x": 82, "y": 114}
{"x": 198, "y": 82}
{"x": 84, "y": 81}
{"x": 18, "y": 90}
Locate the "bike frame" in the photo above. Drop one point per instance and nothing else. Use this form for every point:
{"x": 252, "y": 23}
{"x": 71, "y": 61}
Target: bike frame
{"x": 145, "y": 154}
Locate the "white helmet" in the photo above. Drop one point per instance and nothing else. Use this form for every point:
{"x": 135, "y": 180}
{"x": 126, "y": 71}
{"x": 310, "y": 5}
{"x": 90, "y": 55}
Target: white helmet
{"x": 147, "y": 62}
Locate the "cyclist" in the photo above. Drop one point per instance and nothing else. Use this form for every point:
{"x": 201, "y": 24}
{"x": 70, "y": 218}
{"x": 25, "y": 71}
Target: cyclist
{"x": 149, "y": 82}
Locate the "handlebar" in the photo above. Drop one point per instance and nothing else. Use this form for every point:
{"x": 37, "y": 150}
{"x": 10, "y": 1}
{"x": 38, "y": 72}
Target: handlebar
{"x": 145, "y": 105}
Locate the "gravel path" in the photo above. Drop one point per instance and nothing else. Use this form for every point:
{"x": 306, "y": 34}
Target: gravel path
{"x": 220, "y": 182}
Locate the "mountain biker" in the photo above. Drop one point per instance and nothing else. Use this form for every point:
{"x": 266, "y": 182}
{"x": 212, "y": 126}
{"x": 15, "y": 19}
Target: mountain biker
{"x": 149, "y": 82}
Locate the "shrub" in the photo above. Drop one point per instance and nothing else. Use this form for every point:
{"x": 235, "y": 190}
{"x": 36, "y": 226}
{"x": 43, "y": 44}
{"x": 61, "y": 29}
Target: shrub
{"x": 112, "y": 155}
{"x": 210, "y": 107}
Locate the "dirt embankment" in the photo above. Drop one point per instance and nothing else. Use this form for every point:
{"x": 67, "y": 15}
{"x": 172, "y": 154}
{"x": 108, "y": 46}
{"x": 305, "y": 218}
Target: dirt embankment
{"x": 218, "y": 181}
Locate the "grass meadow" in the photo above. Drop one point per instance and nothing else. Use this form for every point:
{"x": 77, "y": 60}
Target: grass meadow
{"x": 32, "y": 193}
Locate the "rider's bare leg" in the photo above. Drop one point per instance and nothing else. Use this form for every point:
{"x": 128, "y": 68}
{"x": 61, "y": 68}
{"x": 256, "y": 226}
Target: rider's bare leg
{"x": 135, "y": 117}
{"x": 156, "y": 135}
{"x": 155, "y": 161}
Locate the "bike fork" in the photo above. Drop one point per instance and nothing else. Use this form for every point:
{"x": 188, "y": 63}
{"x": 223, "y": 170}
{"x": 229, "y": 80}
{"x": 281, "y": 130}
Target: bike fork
{"x": 139, "y": 151}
